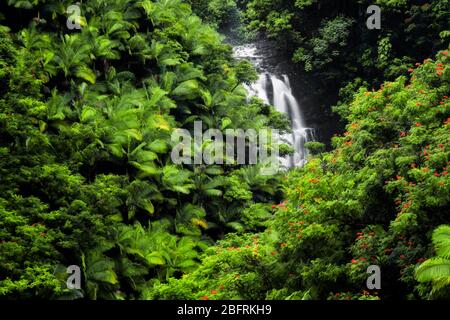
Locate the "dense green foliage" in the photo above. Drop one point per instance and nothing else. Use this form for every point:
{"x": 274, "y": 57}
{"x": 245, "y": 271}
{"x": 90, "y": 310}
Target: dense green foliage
{"x": 85, "y": 122}
{"x": 373, "y": 200}
{"x": 330, "y": 38}
{"x": 215, "y": 12}
{"x": 86, "y": 176}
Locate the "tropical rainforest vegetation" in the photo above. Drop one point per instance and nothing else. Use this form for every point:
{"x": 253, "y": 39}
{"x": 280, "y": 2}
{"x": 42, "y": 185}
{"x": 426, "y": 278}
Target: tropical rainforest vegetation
{"x": 86, "y": 177}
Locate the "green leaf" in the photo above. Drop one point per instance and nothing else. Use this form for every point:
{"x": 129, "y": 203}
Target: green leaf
{"x": 155, "y": 258}
{"x": 107, "y": 276}
{"x": 86, "y": 73}
{"x": 148, "y": 168}
{"x": 147, "y": 205}
{"x": 187, "y": 89}
{"x": 226, "y": 123}
{"x": 207, "y": 98}
{"x": 115, "y": 217}
{"x": 156, "y": 94}
{"x": 117, "y": 150}
{"x": 441, "y": 240}
{"x": 87, "y": 114}
{"x": 145, "y": 156}
{"x": 136, "y": 134}
{"x": 42, "y": 126}
{"x": 158, "y": 146}
{"x": 433, "y": 269}
{"x": 236, "y": 226}
{"x": 213, "y": 192}
{"x": 169, "y": 61}
{"x": 183, "y": 189}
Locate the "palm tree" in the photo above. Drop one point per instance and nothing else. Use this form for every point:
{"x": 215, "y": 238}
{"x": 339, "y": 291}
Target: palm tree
{"x": 207, "y": 180}
{"x": 72, "y": 57}
{"x": 437, "y": 269}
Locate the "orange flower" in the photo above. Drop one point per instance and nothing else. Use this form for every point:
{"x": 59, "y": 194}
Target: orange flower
{"x": 213, "y": 291}
{"x": 204, "y": 298}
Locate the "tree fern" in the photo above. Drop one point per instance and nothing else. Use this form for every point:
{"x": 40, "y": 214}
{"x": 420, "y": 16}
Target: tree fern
{"x": 437, "y": 269}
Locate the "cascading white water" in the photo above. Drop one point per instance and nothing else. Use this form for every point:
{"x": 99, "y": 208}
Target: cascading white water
{"x": 282, "y": 98}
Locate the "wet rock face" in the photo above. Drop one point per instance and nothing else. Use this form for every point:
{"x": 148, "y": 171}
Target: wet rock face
{"x": 316, "y": 102}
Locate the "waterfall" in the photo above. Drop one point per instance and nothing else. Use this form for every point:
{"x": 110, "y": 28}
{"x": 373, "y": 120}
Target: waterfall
{"x": 277, "y": 91}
